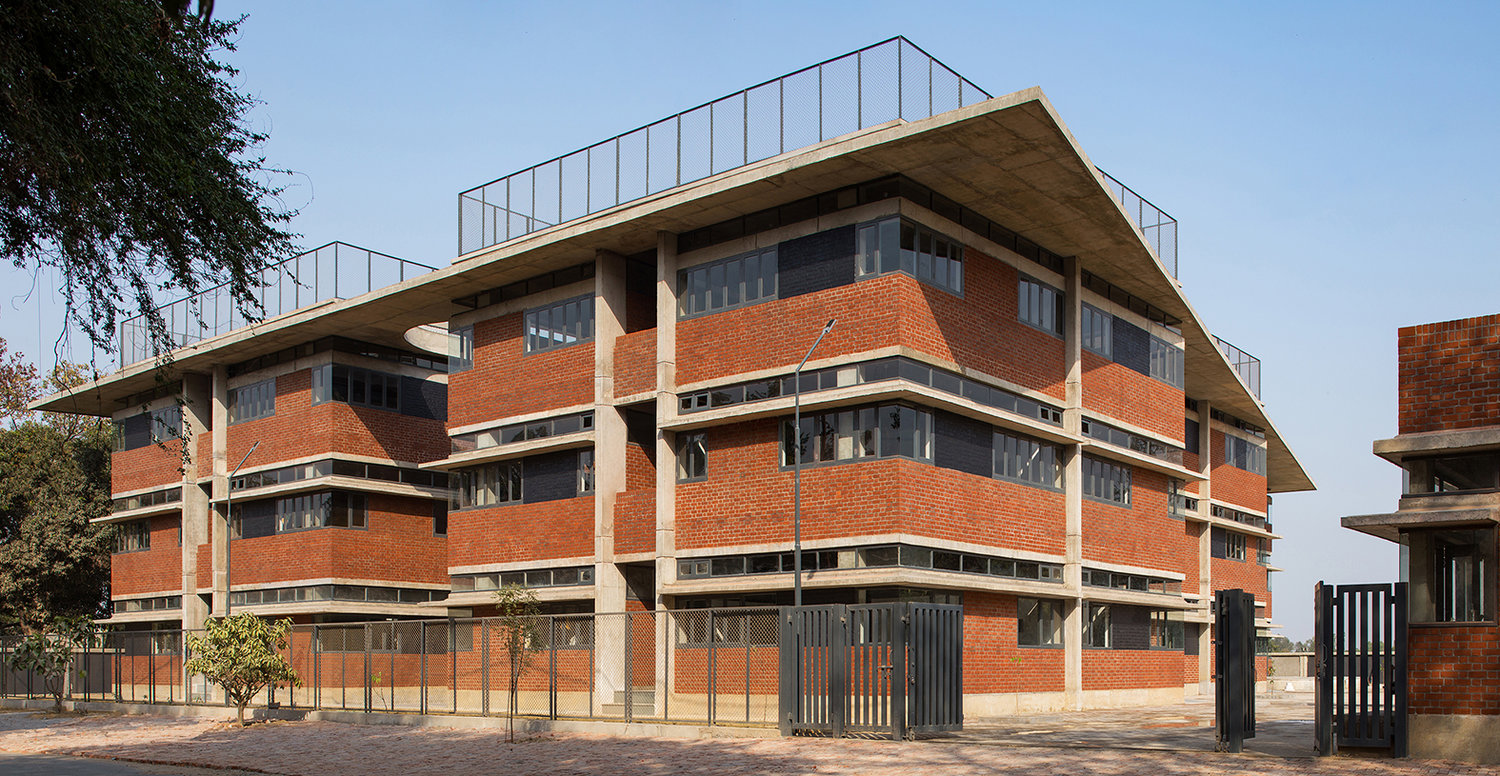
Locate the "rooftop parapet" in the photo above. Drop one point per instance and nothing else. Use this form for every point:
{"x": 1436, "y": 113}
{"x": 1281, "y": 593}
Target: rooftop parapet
{"x": 334, "y": 271}
{"x": 1246, "y": 365}
{"x": 1159, "y": 228}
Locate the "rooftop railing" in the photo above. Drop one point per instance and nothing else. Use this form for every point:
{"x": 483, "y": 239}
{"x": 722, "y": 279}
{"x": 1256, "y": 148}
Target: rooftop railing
{"x": 893, "y": 79}
{"x": 334, "y": 271}
{"x": 1159, "y": 228}
{"x": 1246, "y": 365}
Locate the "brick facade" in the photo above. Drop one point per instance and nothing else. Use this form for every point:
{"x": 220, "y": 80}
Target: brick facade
{"x": 1449, "y": 375}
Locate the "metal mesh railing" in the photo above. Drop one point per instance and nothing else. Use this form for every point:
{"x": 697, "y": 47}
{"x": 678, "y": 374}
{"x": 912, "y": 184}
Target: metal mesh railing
{"x": 698, "y": 666}
{"x": 335, "y": 271}
{"x": 1159, "y": 228}
{"x": 1246, "y": 365}
{"x": 890, "y": 80}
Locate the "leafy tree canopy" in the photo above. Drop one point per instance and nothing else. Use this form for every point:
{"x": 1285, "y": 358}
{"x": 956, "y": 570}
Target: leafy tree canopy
{"x": 242, "y": 654}
{"x": 126, "y": 162}
{"x": 54, "y": 477}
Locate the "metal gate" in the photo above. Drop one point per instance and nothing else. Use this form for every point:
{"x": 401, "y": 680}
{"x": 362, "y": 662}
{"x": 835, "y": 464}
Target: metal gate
{"x": 877, "y": 668}
{"x": 1360, "y": 634}
{"x": 1234, "y": 668}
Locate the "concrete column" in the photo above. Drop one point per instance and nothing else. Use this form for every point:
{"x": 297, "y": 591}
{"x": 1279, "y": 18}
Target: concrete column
{"x": 1073, "y": 486}
{"x": 220, "y": 528}
{"x": 197, "y": 417}
{"x": 1205, "y": 555}
{"x": 609, "y": 430}
{"x": 666, "y": 411}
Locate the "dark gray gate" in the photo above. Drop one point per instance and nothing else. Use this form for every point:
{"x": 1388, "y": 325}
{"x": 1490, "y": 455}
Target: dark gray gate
{"x": 1234, "y": 668}
{"x": 1360, "y": 635}
{"x": 877, "y": 668}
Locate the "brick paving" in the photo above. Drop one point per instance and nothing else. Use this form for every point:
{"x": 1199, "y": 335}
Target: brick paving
{"x": 333, "y": 749}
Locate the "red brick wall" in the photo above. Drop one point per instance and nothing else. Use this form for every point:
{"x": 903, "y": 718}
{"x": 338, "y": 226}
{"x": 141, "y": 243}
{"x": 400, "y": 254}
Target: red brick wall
{"x": 635, "y": 363}
{"x": 205, "y": 565}
{"x": 1246, "y": 575}
{"x": 522, "y": 532}
{"x": 158, "y": 569}
{"x": 1121, "y": 392}
{"x": 1232, "y": 484}
{"x": 953, "y": 505}
{"x": 508, "y": 381}
{"x": 299, "y": 429}
{"x": 1129, "y": 669}
{"x": 993, "y": 662}
{"x": 1142, "y": 535}
{"x": 1454, "y": 669}
{"x": 146, "y": 467}
{"x": 1449, "y": 375}
{"x": 635, "y": 507}
{"x": 398, "y": 546}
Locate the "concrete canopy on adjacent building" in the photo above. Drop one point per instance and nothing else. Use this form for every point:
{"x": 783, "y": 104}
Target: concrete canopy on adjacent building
{"x": 1010, "y": 159}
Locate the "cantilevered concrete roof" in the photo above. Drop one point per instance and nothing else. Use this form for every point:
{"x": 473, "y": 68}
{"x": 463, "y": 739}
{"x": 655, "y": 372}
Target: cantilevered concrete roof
{"x": 1010, "y": 159}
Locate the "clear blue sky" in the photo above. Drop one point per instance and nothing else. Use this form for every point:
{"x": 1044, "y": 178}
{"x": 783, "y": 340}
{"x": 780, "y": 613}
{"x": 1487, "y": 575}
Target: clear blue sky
{"x": 1332, "y": 165}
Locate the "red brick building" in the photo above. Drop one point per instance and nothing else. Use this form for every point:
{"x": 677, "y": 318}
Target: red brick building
{"x": 1017, "y": 410}
{"x": 1448, "y": 448}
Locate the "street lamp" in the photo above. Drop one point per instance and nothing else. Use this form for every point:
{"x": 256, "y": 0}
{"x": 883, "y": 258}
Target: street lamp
{"x": 229, "y": 526}
{"x": 797, "y": 466}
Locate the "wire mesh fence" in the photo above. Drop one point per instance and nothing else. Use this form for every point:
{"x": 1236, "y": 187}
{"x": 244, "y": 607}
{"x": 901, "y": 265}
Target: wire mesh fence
{"x": 699, "y": 666}
{"x": 1159, "y": 228}
{"x": 890, "y": 80}
{"x": 333, "y": 271}
{"x": 1246, "y": 365}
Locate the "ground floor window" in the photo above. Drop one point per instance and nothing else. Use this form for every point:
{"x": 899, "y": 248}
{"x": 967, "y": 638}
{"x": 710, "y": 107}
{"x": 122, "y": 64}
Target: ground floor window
{"x": 1038, "y": 622}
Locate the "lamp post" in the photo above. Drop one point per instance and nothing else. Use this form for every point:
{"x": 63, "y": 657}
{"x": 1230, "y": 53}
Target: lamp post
{"x": 797, "y": 466}
{"x": 229, "y": 526}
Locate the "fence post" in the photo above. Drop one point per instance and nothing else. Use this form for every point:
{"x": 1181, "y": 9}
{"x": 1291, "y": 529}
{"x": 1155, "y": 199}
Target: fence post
{"x": 552, "y": 667}
{"x": 422, "y": 701}
{"x": 1399, "y": 745}
{"x": 453, "y": 657}
{"x": 317, "y": 660}
{"x": 365, "y": 680}
{"x": 484, "y": 667}
{"x": 838, "y": 671}
{"x": 901, "y": 626}
{"x": 713, "y": 666}
{"x": 747, "y": 668}
{"x": 787, "y": 669}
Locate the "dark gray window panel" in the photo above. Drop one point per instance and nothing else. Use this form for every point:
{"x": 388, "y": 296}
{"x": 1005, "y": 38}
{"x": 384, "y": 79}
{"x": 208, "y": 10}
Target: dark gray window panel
{"x": 1130, "y": 626}
{"x": 963, "y": 444}
{"x": 550, "y": 477}
{"x": 1190, "y": 638}
{"x": 1218, "y": 542}
{"x": 1132, "y": 346}
{"x": 816, "y": 262}
{"x": 1190, "y": 435}
{"x": 135, "y": 431}
{"x": 424, "y": 399}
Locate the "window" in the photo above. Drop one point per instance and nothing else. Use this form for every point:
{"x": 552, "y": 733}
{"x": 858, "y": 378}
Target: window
{"x": 1243, "y": 454}
{"x": 487, "y": 486}
{"x": 1452, "y": 573}
{"x": 1106, "y": 482}
{"x": 692, "y": 457}
{"x": 868, "y": 432}
{"x": 1226, "y": 544}
{"x": 338, "y": 509}
{"x": 1027, "y": 461}
{"x": 554, "y": 577}
{"x": 1166, "y": 362}
{"x": 132, "y": 536}
{"x": 1452, "y": 474}
{"x": 521, "y": 432}
{"x": 1096, "y": 626}
{"x": 440, "y": 519}
{"x": 257, "y": 400}
{"x": 1166, "y": 630}
{"x": 461, "y": 350}
{"x": 1041, "y": 306}
{"x": 896, "y": 245}
{"x": 1098, "y": 328}
{"x": 166, "y": 423}
{"x": 722, "y": 285}
{"x": 1190, "y": 436}
{"x": 1038, "y": 623}
{"x": 585, "y": 471}
{"x": 1179, "y": 501}
{"x": 356, "y": 386}
{"x": 565, "y": 323}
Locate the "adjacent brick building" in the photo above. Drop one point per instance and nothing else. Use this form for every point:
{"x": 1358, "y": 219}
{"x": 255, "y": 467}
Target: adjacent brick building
{"x": 1016, "y": 409}
{"x": 1448, "y": 447}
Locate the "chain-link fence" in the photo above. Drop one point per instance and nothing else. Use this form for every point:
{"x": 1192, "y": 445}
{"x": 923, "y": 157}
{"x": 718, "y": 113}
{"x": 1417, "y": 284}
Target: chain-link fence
{"x": 334, "y": 271}
{"x": 893, "y": 79}
{"x": 1159, "y": 228}
{"x": 702, "y": 666}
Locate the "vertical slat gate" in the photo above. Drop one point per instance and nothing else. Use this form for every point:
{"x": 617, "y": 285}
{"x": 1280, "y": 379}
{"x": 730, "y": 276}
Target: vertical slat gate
{"x": 1361, "y": 652}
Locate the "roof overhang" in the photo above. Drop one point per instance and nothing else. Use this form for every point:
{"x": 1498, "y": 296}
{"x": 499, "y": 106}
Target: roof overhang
{"x": 1010, "y": 159}
{"x": 1390, "y": 526}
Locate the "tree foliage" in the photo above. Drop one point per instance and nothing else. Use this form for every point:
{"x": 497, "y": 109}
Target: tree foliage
{"x": 126, "y": 159}
{"x": 54, "y": 477}
{"x": 241, "y": 654}
{"x": 519, "y": 623}
{"x": 49, "y": 653}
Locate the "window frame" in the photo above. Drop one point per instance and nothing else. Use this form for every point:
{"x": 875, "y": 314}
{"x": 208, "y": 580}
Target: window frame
{"x": 264, "y": 405}
{"x": 461, "y": 350}
{"x": 880, "y": 249}
{"x": 1115, "y": 477}
{"x": 537, "y": 320}
{"x": 1001, "y": 449}
{"x": 1030, "y": 307}
{"x": 1098, "y": 616}
{"x": 692, "y": 457}
{"x": 132, "y": 536}
{"x": 699, "y": 283}
{"x": 1097, "y": 324}
{"x": 1049, "y": 623}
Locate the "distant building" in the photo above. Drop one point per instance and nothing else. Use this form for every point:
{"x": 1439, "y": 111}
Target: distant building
{"x": 1017, "y": 410}
{"x": 1448, "y": 448}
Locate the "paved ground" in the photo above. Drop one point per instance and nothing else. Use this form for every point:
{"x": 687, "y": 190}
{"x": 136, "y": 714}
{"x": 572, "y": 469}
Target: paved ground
{"x": 330, "y": 749}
